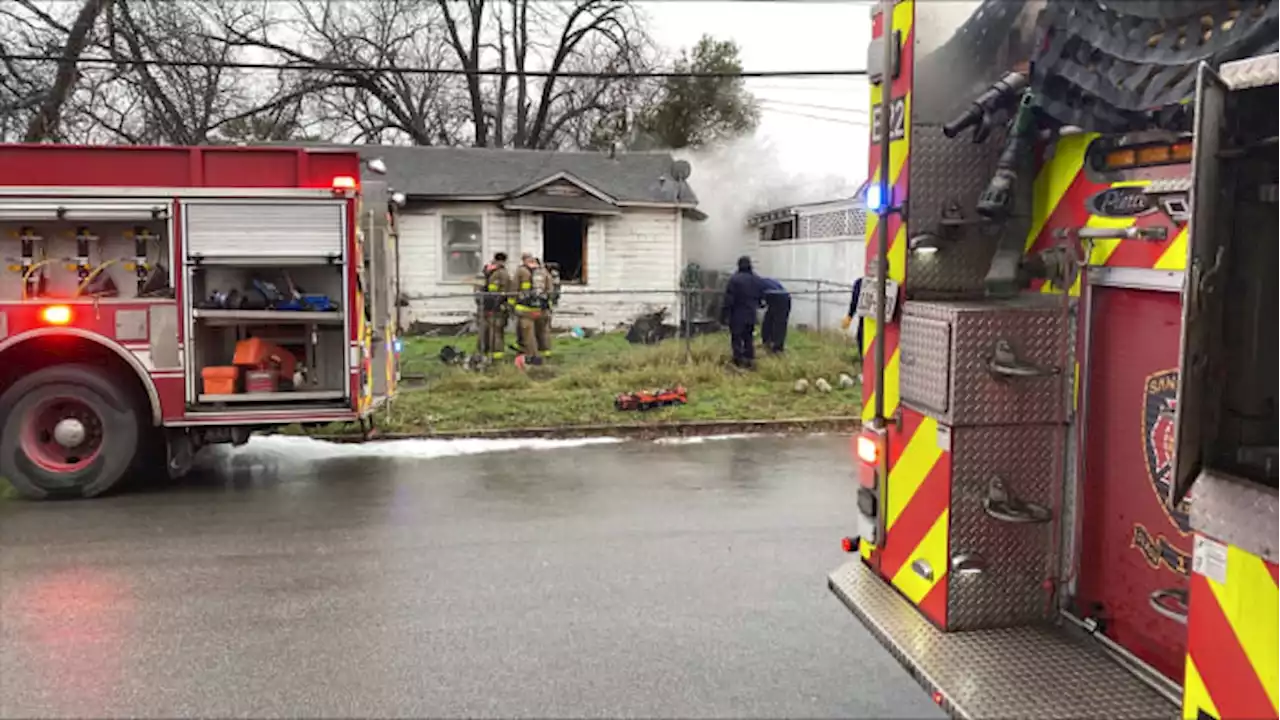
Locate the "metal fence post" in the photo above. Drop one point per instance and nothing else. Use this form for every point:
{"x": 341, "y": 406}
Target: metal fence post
{"x": 687, "y": 299}
{"x": 819, "y": 287}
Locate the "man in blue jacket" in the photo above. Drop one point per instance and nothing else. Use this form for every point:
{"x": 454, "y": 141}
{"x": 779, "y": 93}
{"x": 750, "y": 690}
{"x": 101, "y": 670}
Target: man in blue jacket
{"x": 777, "y": 304}
{"x": 742, "y": 298}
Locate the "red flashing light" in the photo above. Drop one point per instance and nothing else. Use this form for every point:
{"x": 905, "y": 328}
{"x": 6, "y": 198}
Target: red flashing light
{"x": 868, "y": 450}
{"x": 344, "y": 182}
{"x": 937, "y": 697}
{"x": 849, "y": 544}
{"x": 56, "y": 314}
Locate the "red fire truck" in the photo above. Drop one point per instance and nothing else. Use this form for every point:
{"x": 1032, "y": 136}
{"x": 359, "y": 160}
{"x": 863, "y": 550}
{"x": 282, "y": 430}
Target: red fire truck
{"x": 157, "y": 299}
{"x": 1067, "y": 474}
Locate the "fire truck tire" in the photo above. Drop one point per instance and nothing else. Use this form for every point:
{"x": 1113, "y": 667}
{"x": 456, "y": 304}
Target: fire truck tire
{"x": 67, "y": 431}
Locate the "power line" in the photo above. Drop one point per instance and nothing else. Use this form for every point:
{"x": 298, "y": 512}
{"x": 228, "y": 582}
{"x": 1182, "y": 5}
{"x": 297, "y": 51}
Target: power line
{"x": 393, "y": 70}
{"x": 840, "y": 121}
{"x": 811, "y": 106}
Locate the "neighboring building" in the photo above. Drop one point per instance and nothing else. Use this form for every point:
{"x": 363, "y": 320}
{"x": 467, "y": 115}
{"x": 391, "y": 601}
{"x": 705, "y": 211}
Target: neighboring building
{"x": 613, "y": 223}
{"x": 803, "y": 244}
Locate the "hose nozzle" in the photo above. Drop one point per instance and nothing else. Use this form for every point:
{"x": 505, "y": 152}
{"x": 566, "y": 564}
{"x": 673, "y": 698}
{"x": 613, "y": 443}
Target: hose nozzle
{"x": 1000, "y": 96}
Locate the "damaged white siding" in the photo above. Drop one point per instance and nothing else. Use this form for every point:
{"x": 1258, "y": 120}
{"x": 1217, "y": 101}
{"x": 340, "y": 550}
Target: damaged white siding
{"x": 628, "y": 257}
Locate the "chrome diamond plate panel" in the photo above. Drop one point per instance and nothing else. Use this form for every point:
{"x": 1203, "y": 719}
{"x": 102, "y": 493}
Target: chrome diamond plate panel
{"x": 1164, "y": 186}
{"x": 946, "y": 172}
{"x": 925, "y": 359}
{"x": 1038, "y": 329}
{"x": 1252, "y": 72}
{"x": 1032, "y": 673}
{"x": 1236, "y": 511}
{"x": 1009, "y": 591}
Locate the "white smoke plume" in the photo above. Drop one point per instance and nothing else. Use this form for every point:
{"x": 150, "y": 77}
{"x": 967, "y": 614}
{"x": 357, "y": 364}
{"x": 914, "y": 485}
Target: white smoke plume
{"x": 735, "y": 180}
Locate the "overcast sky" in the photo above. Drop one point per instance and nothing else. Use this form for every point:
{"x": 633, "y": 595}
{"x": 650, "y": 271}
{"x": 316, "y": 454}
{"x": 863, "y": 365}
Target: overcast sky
{"x": 791, "y": 36}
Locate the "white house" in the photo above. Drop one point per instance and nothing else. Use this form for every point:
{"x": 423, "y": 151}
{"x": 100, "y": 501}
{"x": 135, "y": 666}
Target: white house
{"x": 801, "y": 245}
{"x": 613, "y": 223}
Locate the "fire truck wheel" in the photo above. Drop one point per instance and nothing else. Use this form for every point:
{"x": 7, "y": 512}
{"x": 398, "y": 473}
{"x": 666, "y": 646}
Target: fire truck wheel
{"x": 66, "y": 431}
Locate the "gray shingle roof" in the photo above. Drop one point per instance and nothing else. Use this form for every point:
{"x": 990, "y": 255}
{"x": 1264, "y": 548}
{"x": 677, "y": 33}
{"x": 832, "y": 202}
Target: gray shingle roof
{"x": 443, "y": 172}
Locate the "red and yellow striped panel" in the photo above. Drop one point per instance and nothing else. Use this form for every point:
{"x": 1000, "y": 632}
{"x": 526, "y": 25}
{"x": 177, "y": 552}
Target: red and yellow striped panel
{"x": 1059, "y": 198}
{"x": 916, "y": 515}
{"x": 1232, "y": 630}
{"x": 1060, "y": 193}
{"x": 899, "y": 152}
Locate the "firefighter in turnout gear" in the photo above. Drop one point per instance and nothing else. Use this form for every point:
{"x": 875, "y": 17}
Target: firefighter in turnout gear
{"x": 493, "y": 308}
{"x": 530, "y": 302}
{"x": 543, "y": 325}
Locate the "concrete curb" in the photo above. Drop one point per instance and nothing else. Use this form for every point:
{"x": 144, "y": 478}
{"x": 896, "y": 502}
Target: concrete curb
{"x": 640, "y": 431}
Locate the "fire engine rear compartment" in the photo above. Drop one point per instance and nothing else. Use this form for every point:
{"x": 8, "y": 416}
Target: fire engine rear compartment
{"x": 274, "y": 273}
{"x": 227, "y": 309}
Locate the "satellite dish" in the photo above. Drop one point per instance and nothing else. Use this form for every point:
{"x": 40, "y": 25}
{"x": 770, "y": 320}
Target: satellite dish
{"x": 680, "y": 170}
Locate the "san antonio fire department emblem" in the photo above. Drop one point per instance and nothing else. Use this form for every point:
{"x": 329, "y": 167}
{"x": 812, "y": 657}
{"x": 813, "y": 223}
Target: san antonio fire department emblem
{"x": 1160, "y": 396}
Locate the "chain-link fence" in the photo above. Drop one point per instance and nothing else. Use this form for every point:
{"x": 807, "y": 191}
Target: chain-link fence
{"x": 645, "y": 315}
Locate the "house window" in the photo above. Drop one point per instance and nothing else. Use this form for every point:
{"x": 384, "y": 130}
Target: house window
{"x": 564, "y": 242}
{"x": 785, "y": 230}
{"x": 463, "y": 246}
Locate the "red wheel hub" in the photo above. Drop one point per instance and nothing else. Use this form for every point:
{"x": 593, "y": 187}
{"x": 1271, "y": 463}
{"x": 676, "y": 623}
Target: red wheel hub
{"x": 62, "y": 434}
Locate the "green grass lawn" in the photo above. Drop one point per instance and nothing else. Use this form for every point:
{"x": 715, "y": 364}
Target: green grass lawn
{"x": 577, "y": 386}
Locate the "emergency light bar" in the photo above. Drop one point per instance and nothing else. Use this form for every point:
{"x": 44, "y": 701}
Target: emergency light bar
{"x": 344, "y": 182}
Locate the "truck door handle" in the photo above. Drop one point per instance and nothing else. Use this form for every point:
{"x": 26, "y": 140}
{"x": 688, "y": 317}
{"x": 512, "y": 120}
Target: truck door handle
{"x": 923, "y": 569}
{"x": 1129, "y": 233}
{"x": 1170, "y": 603}
{"x": 1002, "y": 506}
{"x": 1005, "y": 363}
{"x": 968, "y": 563}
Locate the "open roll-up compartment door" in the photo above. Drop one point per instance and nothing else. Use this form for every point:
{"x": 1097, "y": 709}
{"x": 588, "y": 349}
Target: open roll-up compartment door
{"x": 1202, "y": 294}
{"x": 266, "y": 230}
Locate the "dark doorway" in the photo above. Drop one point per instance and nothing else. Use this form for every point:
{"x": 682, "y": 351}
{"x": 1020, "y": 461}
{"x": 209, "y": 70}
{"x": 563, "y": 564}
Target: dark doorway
{"x": 564, "y": 242}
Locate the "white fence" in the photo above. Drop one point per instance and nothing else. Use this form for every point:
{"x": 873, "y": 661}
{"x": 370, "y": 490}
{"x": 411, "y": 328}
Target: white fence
{"x": 835, "y": 260}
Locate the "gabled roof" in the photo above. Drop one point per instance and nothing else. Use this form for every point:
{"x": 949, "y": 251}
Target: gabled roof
{"x": 562, "y": 192}
{"x": 494, "y": 174}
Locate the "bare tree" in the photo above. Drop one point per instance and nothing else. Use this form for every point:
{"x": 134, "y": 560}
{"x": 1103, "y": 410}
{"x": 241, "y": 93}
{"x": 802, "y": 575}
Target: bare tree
{"x": 45, "y": 121}
{"x": 26, "y": 87}
{"x": 348, "y": 70}
{"x": 192, "y": 102}
{"x": 343, "y": 43}
{"x": 138, "y": 98}
{"x": 367, "y": 49}
{"x": 520, "y": 37}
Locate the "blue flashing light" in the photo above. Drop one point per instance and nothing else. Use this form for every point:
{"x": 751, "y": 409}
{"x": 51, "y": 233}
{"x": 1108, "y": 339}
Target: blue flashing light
{"x": 399, "y": 346}
{"x": 875, "y": 203}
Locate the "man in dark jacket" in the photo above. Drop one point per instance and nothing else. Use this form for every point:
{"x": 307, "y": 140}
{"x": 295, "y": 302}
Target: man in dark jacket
{"x": 742, "y": 298}
{"x": 777, "y": 304}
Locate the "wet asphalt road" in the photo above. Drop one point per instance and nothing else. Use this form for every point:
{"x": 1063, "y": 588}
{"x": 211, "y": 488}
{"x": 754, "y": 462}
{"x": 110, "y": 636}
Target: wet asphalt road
{"x": 287, "y": 579}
